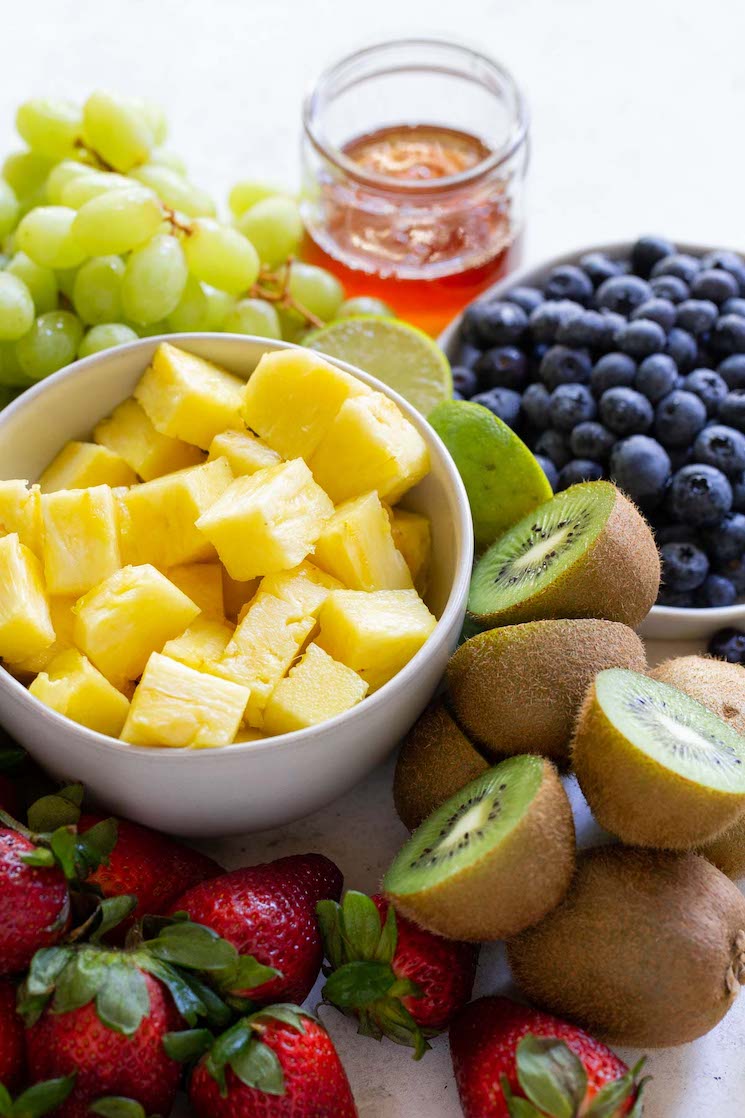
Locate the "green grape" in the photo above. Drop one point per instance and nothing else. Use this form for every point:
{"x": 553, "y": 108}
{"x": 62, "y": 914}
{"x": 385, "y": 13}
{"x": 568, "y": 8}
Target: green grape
{"x": 154, "y": 280}
{"x": 117, "y": 130}
{"x": 365, "y": 304}
{"x": 247, "y": 193}
{"x": 155, "y": 117}
{"x": 61, "y": 175}
{"x": 46, "y": 235}
{"x": 82, "y": 188}
{"x": 105, "y": 335}
{"x": 153, "y": 329}
{"x": 175, "y": 191}
{"x": 7, "y": 396}
{"x": 97, "y": 291}
{"x": 41, "y": 282}
{"x": 275, "y": 229}
{"x": 66, "y": 281}
{"x": 27, "y": 172}
{"x": 316, "y": 290}
{"x": 253, "y": 316}
{"x": 169, "y": 159}
{"x": 50, "y": 128}
{"x": 117, "y": 221}
{"x": 293, "y": 326}
{"x": 9, "y": 208}
{"x": 219, "y": 306}
{"x": 51, "y": 343}
{"x": 192, "y": 312}
{"x": 16, "y": 308}
{"x": 221, "y": 256}
{"x": 11, "y": 373}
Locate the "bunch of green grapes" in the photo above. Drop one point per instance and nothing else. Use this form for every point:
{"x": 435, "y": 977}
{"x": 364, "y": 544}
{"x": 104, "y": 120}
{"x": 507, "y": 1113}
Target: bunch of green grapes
{"x": 104, "y": 239}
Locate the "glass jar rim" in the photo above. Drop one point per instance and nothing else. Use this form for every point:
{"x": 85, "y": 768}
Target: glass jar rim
{"x": 314, "y": 101}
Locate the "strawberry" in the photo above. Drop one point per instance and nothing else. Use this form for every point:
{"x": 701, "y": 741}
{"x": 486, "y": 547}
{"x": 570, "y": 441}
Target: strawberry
{"x": 511, "y": 1061}
{"x": 277, "y": 1063}
{"x": 37, "y": 1100}
{"x": 399, "y": 980}
{"x": 34, "y": 902}
{"x": 11, "y": 1038}
{"x": 268, "y": 912}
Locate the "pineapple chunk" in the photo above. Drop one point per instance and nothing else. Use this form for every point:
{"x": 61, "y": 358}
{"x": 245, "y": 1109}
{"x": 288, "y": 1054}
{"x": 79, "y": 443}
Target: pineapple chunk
{"x": 356, "y": 546}
{"x": 81, "y": 465}
{"x": 177, "y": 706}
{"x": 317, "y": 688}
{"x": 189, "y": 398}
{"x": 262, "y": 649}
{"x": 268, "y": 521}
{"x": 202, "y": 645}
{"x": 20, "y": 512}
{"x": 245, "y": 452}
{"x": 73, "y": 687}
{"x": 202, "y": 582}
{"x": 370, "y": 445}
{"x": 248, "y": 733}
{"x": 63, "y": 619}
{"x": 129, "y": 433}
{"x": 133, "y": 613}
{"x": 157, "y": 518}
{"x": 237, "y": 595}
{"x": 305, "y": 587}
{"x": 412, "y": 536}
{"x": 25, "y": 623}
{"x": 292, "y": 397}
{"x": 80, "y": 547}
{"x": 374, "y": 634}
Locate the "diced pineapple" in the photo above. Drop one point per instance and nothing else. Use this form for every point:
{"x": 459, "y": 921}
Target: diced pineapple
{"x": 248, "y": 733}
{"x": 20, "y": 512}
{"x": 304, "y": 587}
{"x": 370, "y": 445}
{"x": 202, "y": 582}
{"x": 412, "y": 536}
{"x": 245, "y": 452}
{"x": 129, "y": 433}
{"x": 268, "y": 521}
{"x": 292, "y": 397}
{"x": 237, "y": 595}
{"x": 25, "y": 623}
{"x": 63, "y": 619}
{"x": 81, "y": 465}
{"x": 202, "y": 645}
{"x": 374, "y": 634}
{"x": 73, "y": 687}
{"x": 157, "y": 519}
{"x": 356, "y": 545}
{"x": 189, "y": 398}
{"x": 262, "y": 649}
{"x": 177, "y": 706}
{"x": 131, "y": 614}
{"x": 317, "y": 688}
{"x": 80, "y": 547}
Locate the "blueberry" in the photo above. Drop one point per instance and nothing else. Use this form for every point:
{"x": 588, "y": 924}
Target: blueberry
{"x": 492, "y": 324}
{"x": 708, "y": 386}
{"x": 656, "y": 376}
{"x": 738, "y": 492}
{"x": 613, "y": 370}
{"x": 679, "y": 264}
{"x": 579, "y": 469}
{"x": 734, "y": 306}
{"x": 674, "y": 532}
{"x": 700, "y": 495}
{"x": 527, "y": 298}
{"x": 728, "y": 336}
{"x": 640, "y": 337}
{"x": 728, "y": 644}
{"x": 623, "y": 293}
{"x": 647, "y": 251}
{"x": 536, "y": 409}
{"x": 502, "y": 367}
{"x": 657, "y": 310}
{"x": 670, "y": 598}
{"x": 641, "y": 467}
{"x": 571, "y": 404}
{"x": 552, "y": 445}
{"x": 727, "y": 262}
{"x": 503, "y": 402}
{"x": 467, "y": 354}
{"x": 715, "y": 591}
{"x": 591, "y": 329}
{"x": 591, "y": 440}
{"x": 732, "y": 409}
{"x": 716, "y": 285}
{"x": 458, "y": 395}
{"x": 568, "y": 282}
{"x": 600, "y": 267}
{"x": 725, "y": 541}
{"x": 722, "y": 447}
{"x": 549, "y": 470}
{"x": 680, "y": 456}
{"x": 732, "y": 370}
{"x": 670, "y": 288}
{"x": 465, "y": 381}
{"x": 735, "y": 572}
{"x": 684, "y": 566}
{"x": 562, "y": 365}
{"x": 625, "y": 411}
{"x": 679, "y": 418}
{"x": 697, "y": 316}
{"x": 682, "y": 348}
{"x": 546, "y": 319}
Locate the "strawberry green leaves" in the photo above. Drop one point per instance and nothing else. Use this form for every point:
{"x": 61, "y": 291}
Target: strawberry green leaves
{"x": 37, "y": 1100}
{"x": 60, "y": 809}
{"x": 241, "y": 1049}
{"x": 115, "y": 1106}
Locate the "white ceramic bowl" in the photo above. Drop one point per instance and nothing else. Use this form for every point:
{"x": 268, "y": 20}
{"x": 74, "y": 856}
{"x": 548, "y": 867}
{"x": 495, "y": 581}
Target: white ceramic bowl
{"x": 663, "y": 622}
{"x": 249, "y": 786}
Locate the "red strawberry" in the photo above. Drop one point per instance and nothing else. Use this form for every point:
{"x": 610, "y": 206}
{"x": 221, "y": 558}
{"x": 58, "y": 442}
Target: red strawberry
{"x": 268, "y": 912}
{"x": 11, "y": 1037}
{"x": 398, "y": 979}
{"x": 278, "y": 1063}
{"x": 504, "y": 1054}
{"x": 34, "y": 902}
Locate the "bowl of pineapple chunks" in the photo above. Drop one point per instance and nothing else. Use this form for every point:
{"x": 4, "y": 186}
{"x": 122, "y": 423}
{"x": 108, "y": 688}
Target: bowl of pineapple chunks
{"x": 231, "y": 574}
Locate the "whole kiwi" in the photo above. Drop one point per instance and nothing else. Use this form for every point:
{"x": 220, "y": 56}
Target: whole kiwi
{"x": 727, "y": 851}
{"x": 713, "y": 683}
{"x": 647, "y": 949}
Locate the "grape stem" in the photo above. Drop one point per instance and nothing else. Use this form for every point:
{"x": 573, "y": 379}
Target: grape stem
{"x": 281, "y": 294}
{"x": 84, "y": 149}
{"x": 176, "y": 223}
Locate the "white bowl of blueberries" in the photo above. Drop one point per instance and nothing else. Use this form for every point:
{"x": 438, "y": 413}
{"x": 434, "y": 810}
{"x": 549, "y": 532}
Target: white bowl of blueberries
{"x": 627, "y": 361}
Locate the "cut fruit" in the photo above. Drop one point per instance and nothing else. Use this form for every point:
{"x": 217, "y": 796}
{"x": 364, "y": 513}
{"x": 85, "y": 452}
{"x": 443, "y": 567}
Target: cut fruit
{"x": 502, "y": 478}
{"x": 404, "y": 358}
{"x": 63, "y": 620}
{"x": 356, "y": 546}
{"x": 237, "y": 595}
{"x": 646, "y": 950}
{"x": 80, "y": 547}
{"x": 657, "y": 768}
{"x": 73, "y": 687}
{"x": 494, "y": 859}
{"x": 245, "y": 452}
{"x": 25, "y": 623}
{"x": 202, "y": 645}
{"x": 202, "y": 582}
{"x": 412, "y": 535}
{"x": 585, "y": 553}
{"x": 718, "y": 685}
{"x": 20, "y": 512}
{"x": 317, "y": 688}
{"x": 727, "y": 851}
{"x": 518, "y": 689}
{"x": 304, "y": 587}
{"x": 81, "y": 465}
{"x": 435, "y": 762}
{"x": 129, "y": 433}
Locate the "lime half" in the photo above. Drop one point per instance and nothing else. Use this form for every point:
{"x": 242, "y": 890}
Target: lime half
{"x": 404, "y": 358}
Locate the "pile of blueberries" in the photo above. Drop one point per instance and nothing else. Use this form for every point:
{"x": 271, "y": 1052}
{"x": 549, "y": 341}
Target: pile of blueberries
{"x": 631, "y": 369}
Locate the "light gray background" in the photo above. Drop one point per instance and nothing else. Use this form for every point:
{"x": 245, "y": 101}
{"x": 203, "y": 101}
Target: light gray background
{"x": 638, "y": 112}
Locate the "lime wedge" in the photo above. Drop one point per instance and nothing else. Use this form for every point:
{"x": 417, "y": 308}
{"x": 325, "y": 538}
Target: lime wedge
{"x": 404, "y": 358}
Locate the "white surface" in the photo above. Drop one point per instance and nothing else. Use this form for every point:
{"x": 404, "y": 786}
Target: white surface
{"x": 637, "y": 111}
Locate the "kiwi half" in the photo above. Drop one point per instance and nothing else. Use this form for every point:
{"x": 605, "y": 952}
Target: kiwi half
{"x": 585, "y": 553}
{"x": 656, "y": 767}
{"x": 718, "y": 685}
{"x": 647, "y": 949}
{"x": 495, "y": 858}
{"x": 435, "y": 762}
{"x": 518, "y": 689}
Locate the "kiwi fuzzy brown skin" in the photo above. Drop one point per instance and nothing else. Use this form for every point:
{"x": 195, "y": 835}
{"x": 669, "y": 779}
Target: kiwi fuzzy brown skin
{"x": 435, "y": 762}
{"x": 727, "y": 851}
{"x": 647, "y": 949}
{"x": 518, "y": 689}
{"x": 713, "y": 683}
